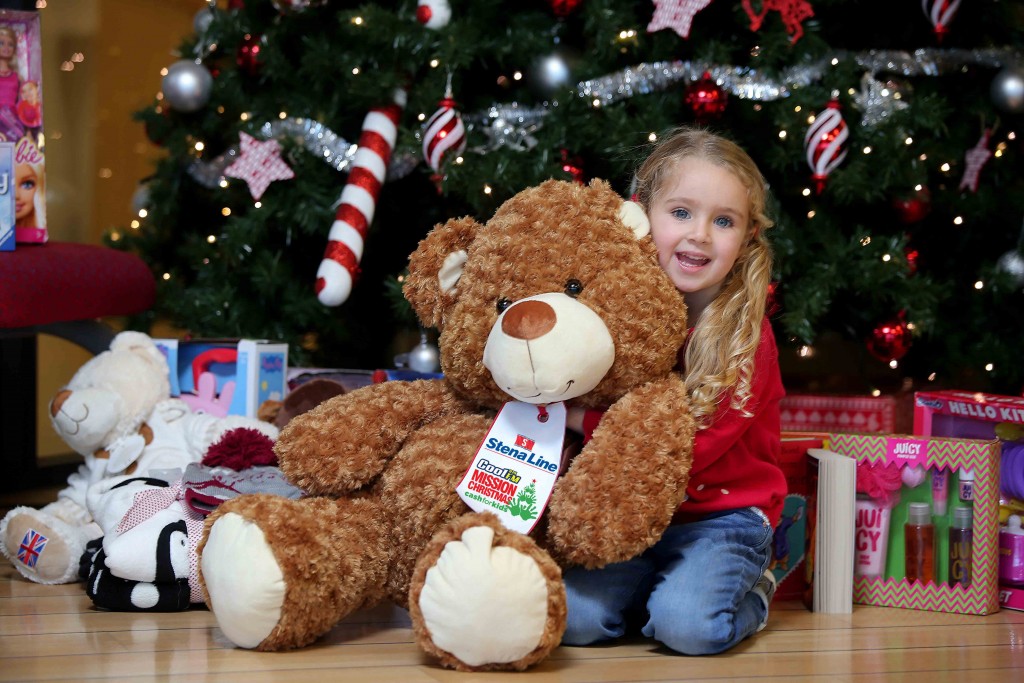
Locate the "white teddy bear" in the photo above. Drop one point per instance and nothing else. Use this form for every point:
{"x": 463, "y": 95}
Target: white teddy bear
{"x": 117, "y": 413}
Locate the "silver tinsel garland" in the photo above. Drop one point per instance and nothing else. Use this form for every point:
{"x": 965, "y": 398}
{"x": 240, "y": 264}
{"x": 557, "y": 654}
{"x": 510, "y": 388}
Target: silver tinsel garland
{"x": 311, "y": 135}
{"x": 513, "y": 125}
{"x": 750, "y": 84}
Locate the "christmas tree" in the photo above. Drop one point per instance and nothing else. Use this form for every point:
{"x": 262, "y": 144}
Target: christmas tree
{"x": 888, "y": 133}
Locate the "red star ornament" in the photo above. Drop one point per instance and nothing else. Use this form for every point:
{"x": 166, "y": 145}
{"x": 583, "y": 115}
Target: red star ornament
{"x": 675, "y": 14}
{"x": 259, "y": 164}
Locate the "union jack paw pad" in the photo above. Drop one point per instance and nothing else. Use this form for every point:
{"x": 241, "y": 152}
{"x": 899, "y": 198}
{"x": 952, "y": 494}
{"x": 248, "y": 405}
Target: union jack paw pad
{"x": 31, "y": 547}
{"x": 41, "y": 552}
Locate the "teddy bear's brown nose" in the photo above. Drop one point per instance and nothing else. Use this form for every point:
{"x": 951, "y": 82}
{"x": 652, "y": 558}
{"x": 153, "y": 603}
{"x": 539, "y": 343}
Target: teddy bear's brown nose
{"x": 58, "y": 401}
{"x": 528, "y": 320}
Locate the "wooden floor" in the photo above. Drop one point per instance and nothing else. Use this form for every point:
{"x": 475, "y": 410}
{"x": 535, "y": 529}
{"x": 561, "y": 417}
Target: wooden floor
{"x": 52, "y": 633}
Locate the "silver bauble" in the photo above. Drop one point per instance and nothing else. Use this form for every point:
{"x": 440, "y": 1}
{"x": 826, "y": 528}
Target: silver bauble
{"x": 187, "y": 86}
{"x": 202, "y": 20}
{"x": 286, "y": 6}
{"x": 140, "y": 199}
{"x": 424, "y": 357}
{"x": 1012, "y": 263}
{"x": 553, "y": 74}
{"x": 1008, "y": 89}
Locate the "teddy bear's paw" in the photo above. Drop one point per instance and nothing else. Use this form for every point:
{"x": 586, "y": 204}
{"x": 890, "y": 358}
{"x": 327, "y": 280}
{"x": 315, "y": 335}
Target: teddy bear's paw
{"x": 40, "y": 546}
{"x": 486, "y": 605}
{"x": 245, "y": 584}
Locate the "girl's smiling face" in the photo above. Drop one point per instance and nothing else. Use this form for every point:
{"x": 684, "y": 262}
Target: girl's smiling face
{"x": 699, "y": 222}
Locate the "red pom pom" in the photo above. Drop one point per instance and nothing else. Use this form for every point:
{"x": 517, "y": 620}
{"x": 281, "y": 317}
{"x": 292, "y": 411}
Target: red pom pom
{"x": 240, "y": 449}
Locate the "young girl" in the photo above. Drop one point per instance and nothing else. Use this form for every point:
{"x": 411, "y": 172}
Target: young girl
{"x": 703, "y": 587}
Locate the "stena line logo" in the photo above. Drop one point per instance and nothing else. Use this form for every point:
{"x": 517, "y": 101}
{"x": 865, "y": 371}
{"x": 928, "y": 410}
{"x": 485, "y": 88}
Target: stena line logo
{"x": 527, "y": 456}
{"x": 525, "y": 442}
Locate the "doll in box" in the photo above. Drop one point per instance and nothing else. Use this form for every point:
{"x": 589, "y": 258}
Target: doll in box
{"x": 29, "y": 109}
{"x": 10, "y": 85}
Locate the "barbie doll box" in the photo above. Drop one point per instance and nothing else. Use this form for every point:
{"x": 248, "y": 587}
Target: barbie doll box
{"x": 926, "y": 521}
{"x": 226, "y": 376}
{"x": 21, "y": 121}
{"x": 987, "y": 416}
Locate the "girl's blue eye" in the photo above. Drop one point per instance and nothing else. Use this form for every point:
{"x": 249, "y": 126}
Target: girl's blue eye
{"x": 723, "y": 221}
{"x": 680, "y": 213}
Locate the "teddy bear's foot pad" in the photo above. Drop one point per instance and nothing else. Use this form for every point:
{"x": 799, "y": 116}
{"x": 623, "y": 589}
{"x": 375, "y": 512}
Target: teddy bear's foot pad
{"x": 244, "y": 581}
{"x": 484, "y": 604}
{"x": 44, "y": 549}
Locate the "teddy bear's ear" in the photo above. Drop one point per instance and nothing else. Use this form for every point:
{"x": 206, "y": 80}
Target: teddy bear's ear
{"x": 435, "y": 268}
{"x": 635, "y": 218}
{"x": 137, "y": 342}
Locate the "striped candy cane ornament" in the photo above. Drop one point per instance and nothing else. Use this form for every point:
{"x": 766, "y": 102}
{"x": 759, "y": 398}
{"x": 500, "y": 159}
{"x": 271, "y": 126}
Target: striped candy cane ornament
{"x": 340, "y": 266}
{"x": 823, "y": 143}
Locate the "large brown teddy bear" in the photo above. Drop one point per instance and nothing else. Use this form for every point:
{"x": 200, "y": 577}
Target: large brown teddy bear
{"x": 558, "y": 297}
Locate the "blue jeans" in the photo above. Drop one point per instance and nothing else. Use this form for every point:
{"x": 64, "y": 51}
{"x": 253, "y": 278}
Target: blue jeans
{"x": 693, "y": 587}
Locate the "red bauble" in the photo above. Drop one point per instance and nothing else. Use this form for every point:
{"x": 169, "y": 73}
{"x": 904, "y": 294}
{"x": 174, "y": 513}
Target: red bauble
{"x": 563, "y": 8}
{"x": 890, "y": 341}
{"x": 573, "y": 165}
{"x": 236, "y": 4}
{"x": 911, "y": 255}
{"x": 706, "y": 99}
{"x": 248, "y": 58}
{"x": 913, "y": 208}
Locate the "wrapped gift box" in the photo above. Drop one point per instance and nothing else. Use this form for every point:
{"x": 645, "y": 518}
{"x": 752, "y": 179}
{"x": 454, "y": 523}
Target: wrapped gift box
{"x": 845, "y": 414}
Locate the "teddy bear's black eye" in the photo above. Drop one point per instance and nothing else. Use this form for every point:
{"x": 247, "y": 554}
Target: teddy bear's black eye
{"x": 502, "y": 304}
{"x": 573, "y": 288}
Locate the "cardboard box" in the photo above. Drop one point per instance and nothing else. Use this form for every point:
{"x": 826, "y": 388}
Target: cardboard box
{"x": 1011, "y": 597}
{"x": 226, "y": 376}
{"x": 21, "y": 120}
{"x": 973, "y": 415}
{"x": 7, "y": 194}
{"x": 966, "y": 414}
{"x": 935, "y": 456}
{"x": 789, "y": 544}
{"x": 845, "y": 414}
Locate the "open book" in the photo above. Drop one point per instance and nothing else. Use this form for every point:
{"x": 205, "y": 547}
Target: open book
{"x": 831, "y": 508}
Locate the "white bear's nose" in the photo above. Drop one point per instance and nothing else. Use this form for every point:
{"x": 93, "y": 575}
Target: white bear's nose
{"x": 58, "y": 401}
{"x": 528, "y": 320}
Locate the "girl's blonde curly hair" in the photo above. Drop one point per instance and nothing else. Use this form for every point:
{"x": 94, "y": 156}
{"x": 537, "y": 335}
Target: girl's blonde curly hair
{"x": 720, "y": 353}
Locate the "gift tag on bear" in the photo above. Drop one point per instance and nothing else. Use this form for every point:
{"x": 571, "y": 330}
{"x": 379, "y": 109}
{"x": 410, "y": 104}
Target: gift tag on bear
{"x": 514, "y": 470}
